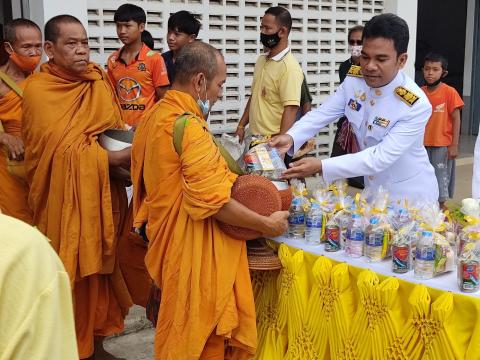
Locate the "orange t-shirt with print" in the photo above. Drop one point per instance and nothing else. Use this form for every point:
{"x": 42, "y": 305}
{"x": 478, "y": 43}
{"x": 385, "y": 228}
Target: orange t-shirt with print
{"x": 439, "y": 130}
{"x": 135, "y": 83}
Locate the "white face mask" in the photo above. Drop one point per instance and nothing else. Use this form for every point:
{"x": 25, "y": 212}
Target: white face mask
{"x": 355, "y": 50}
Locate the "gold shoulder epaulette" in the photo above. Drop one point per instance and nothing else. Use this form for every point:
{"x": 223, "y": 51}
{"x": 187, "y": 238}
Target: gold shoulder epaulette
{"x": 406, "y": 95}
{"x": 355, "y": 70}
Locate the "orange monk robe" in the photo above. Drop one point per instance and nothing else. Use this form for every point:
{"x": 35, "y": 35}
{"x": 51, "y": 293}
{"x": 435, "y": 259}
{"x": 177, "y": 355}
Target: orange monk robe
{"x": 13, "y": 190}
{"x": 74, "y": 202}
{"x": 203, "y": 273}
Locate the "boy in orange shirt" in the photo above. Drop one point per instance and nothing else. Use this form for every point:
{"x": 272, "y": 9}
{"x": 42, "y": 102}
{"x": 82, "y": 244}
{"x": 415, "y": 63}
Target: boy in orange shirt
{"x": 137, "y": 73}
{"x": 443, "y": 129}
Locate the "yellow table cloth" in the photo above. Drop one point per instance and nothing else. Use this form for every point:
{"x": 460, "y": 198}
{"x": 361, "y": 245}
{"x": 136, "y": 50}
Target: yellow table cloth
{"x": 320, "y": 308}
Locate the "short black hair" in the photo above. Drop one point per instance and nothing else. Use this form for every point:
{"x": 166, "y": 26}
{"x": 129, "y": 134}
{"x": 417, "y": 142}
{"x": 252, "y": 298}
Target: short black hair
{"x": 127, "y": 12}
{"x": 194, "y": 58}
{"x": 10, "y": 30}
{"x": 185, "y": 22}
{"x": 354, "y": 29}
{"x": 147, "y": 39}
{"x": 282, "y": 16}
{"x": 388, "y": 26}
{"x": 52, "y": 32}
{"x": 436, "y": 57}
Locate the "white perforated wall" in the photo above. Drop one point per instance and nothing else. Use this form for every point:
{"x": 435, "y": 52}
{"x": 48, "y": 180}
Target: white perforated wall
{"x": 318, "y": 40}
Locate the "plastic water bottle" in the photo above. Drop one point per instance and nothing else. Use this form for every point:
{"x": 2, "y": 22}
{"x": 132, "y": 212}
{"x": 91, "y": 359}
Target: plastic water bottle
{"x": 296, "y": 220}
{"x": 374, "y": 241}
{"x": 425, "y": 256}
{"x": 355, "y": 237}
{"x": 313, "y": 224}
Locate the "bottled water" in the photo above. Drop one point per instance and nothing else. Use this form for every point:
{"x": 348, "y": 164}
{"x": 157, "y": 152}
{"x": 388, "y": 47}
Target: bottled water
{"x": 374, "y": 241}
{"x": 355, "y": 236}
{"x": 313, "y": 224}
{"x": 425, "y": 256}
{"x": 296, "y": 220}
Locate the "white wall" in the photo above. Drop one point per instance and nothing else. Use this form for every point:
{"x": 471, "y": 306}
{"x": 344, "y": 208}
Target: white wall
{"x": 406, "y": 9}
{"x": 43, "y": 10}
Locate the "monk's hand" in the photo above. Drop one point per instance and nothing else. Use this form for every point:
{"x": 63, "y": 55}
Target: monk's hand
{"x": 14, "y": 146}
{"x": 283, "y": 143}
{"x": 120, "y": 158}
{"x": 276, "y": 224}
{"x": 303, "y": 168}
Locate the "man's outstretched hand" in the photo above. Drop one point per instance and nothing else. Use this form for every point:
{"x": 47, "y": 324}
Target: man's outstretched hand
{"x": 303, "y": 168}
{"x": 283, "y": 143}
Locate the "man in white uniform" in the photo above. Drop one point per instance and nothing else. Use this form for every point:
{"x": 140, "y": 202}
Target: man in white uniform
{"x": 388, "y": 112}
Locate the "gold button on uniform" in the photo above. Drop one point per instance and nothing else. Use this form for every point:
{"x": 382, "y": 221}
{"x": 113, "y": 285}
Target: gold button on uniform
{"x": 370, "y": 127}
{"x": 378, "y": 92}
{"x": 370, "y": 178}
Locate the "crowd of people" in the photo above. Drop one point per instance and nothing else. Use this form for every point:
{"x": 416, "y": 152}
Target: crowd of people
{"x": 165, "y": 246}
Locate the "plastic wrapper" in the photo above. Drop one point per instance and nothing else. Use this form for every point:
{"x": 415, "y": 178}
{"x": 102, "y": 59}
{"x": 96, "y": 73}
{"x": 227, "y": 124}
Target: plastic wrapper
{"x": 336, "y": 228}
{"x": 433, "y": 220}
{"x": 298, "y": 209}
{"x": 468, "y": 272}
{"x": 232, "y": 145}
{"x": 264, "y": 160}
{"x": 379, "y": 232}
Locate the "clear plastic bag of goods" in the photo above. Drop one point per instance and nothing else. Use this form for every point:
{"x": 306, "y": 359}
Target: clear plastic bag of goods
{"x": 379, "y": 230}
{"x": 316, "y": 218}
{"x": 298, "y": 209}
{"x": 468, "y": 272}
{"x": 264, "y": 160}
{"x": 402, "y": 254}
{"x": 232, "y": 145}
{"x": 433, "y": 229}
{"x": 336, "y": 228}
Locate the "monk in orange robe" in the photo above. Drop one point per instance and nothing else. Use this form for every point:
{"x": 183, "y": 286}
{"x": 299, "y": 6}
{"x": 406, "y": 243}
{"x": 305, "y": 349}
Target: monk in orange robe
{"x": 21, "y": 51}
{"x": 75, "y": 201}
{"x": 207, "y": 307}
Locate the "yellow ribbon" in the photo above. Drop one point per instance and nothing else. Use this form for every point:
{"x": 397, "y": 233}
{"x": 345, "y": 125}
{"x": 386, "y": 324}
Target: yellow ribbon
{"x": 440, "y": 228}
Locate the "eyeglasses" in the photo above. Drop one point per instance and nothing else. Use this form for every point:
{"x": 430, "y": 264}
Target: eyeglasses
{"x": 354, "y": 42}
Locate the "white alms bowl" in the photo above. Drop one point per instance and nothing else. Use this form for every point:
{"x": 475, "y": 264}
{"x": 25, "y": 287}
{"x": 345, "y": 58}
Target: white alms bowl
{"x": 116, "y": 140}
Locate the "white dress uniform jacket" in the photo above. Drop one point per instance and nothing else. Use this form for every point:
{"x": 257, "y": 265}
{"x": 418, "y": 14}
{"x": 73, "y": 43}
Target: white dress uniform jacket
{"x": 389, "y": 123}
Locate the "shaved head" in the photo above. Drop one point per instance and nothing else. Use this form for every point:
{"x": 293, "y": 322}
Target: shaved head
{"x": 12, "y": 26}
{"x": 52, "y": 27}
{"x": 194, "y": 58}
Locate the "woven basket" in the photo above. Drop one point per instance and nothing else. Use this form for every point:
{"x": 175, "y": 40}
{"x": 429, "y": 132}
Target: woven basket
{"x": 261, "y": 256}
{"x": 258, "y": 194}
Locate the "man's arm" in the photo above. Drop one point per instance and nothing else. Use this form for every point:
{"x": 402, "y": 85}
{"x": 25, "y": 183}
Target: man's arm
{"x": 160, "y": 92}
{"x": 234, "y": 213}
{"x": 310, "y": 124}
{"x": 378, "y": 158}
{"x": 240, "y": 132}
{"x": 453, "y": 148}
{"x": 288, "y": 118}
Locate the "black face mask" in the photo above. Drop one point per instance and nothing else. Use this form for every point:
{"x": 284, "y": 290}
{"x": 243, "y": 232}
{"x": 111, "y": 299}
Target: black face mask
{"x": 269, "y": 41}
{"x": 435, "y": 83}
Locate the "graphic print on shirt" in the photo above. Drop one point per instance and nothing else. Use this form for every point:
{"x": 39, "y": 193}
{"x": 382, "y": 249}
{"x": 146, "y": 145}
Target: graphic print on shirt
{"x": 129, "y": 89}
{"x": 440, "y": 108}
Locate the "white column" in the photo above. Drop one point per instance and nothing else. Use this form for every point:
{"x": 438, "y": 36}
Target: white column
{"x": 43, "y": 10}
{"x": 467, "y": 69}
{"x": 407, "y": 10}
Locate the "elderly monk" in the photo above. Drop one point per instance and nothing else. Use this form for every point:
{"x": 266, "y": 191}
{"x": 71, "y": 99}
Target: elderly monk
{"x": 21, "y": 50}
{"x": 207, "y": 306}
{"x": 75, "y": 202}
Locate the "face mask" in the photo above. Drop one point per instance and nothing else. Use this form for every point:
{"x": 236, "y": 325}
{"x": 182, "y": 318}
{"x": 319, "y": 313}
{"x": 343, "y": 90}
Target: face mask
{"x": 269, "y": 41}
{"x": 204, "y": 105}
{"x": 25, "y": 63}
{"x": 436, "y": 82}
{"x": 355, "y": 50}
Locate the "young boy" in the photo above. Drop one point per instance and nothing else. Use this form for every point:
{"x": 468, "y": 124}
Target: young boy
{"x": 443, "y": 128}
{"x": 183, "y": 28}
{"x": 138, "y": 74}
